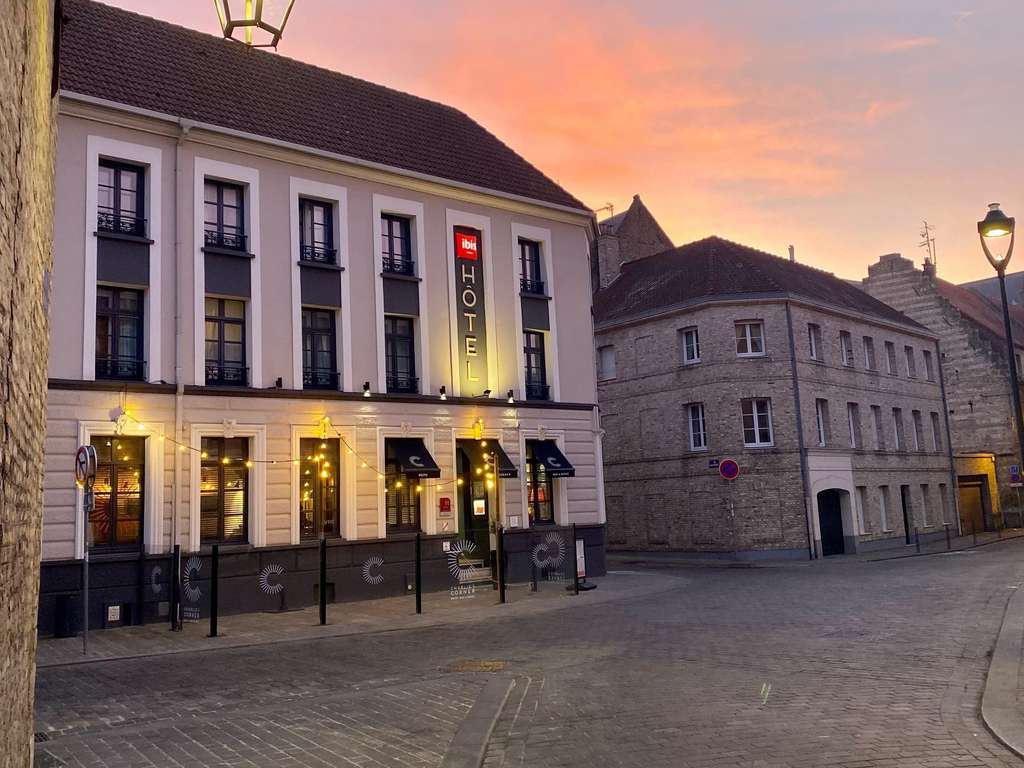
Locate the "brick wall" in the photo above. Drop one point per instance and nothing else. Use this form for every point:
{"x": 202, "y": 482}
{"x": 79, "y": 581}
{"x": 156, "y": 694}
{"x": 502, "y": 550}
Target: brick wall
{"x": 26, "y": 222}
{"x": 636, "y": 235}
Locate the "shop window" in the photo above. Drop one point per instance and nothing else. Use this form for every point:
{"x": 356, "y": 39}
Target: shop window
{"x": 319, "y": 473}
{"x": 116, "y": 520}
{"x": 539, "y": 489}
{"x": 401, "y": 495}
{"x": 224, "y": 490}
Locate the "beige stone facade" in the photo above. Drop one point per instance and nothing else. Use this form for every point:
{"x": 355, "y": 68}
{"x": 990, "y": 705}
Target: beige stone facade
{"x": 26, "y": 214}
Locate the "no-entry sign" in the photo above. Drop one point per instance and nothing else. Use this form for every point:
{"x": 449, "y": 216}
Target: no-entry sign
{"x": 728, "y": 469}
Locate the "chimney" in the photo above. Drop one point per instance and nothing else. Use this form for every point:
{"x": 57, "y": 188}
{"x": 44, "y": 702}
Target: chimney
{"x": 929, "y": 268}
{"x": 792, "y": 253}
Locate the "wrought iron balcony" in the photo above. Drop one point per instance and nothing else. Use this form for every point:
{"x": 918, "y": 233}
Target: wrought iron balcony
{"x": 537, "y": 391}
{"x": 399, "y": 266}
{"x": 226, "y": 375}
{"x": 232, "y": 241}
{"x": 317, "y": 254}
{"x": 402, "y": 384}
{"x": 115, "y": 367}
{"x": 108, "y": 220}
{"x": 318, "y": 378}
{"x": 531, "y": 286}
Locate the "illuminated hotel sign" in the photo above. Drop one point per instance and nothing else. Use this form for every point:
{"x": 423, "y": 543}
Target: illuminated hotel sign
{"x": 472, "y": 330}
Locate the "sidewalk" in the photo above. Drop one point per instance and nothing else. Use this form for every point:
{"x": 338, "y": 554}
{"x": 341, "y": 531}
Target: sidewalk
{"x": 352, "y": 618}
{"x": 1002, "y": 704}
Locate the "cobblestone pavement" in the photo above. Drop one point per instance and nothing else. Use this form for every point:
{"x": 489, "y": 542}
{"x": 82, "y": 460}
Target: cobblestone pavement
{"x": 843, "y": 663}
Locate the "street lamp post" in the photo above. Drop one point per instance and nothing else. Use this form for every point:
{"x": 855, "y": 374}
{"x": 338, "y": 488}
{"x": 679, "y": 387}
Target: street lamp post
{"x": 996, "y": 232}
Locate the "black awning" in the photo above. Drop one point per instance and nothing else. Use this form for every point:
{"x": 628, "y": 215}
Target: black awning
{"x": 412, "y": 457}
{"x": 477, "y": 448}
{"x": 553, "y": 460}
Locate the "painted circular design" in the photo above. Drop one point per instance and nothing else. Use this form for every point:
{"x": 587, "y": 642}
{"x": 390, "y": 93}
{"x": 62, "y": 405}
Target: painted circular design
{"x": 549, "y": 553}
{"x": 267, "y": 586}
{"x": 729, "y": 469}
{"x": 460, "y": 547}
{"x": 372, "y": 570}
{"x": 191, "y": 591}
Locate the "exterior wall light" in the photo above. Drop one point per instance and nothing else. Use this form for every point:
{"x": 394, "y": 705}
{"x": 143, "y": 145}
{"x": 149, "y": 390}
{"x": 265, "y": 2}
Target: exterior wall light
{"x": 366, "y": 389}
{"x": 260, "y": 23}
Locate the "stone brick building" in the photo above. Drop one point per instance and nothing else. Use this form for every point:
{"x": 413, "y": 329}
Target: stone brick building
{"x": 829, "y": 401}
{"x": 973, "y": 342}
{"x": 632, "y": 234}
{"x": 26, "y": 219}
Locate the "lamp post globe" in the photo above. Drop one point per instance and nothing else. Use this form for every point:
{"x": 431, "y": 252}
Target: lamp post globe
{"x": 996, "y": 232}
{"x": 260, "y": 23}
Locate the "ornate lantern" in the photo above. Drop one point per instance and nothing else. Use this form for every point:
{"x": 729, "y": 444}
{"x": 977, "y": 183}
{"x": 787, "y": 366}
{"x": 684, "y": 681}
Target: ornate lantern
{"x": 260, "y": 22}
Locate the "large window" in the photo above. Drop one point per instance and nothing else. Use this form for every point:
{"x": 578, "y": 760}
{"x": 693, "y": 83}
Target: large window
{"x": 224, "y": 490}
{"x": 853, "y": 416}
{"x": 531, "y": 280}
{"x": 846, "y": 347}
{"x": 400, "y": 354}
{"x": 316, "y": 231}
{"x": 224, "y": 215}
{"x": 119, "y": 339}
{"x": 890, "y": 358}
{"x": 936, "y": 432}
{"x": 396, "y": 244}
{"x": 757, "y": 422}
{"x": 536, "y": 366}
{"x": 883, "y": 507}
{"x": 869, "y": 353}
{"x": 698, "y": 432}
{"x": 918, "y": 430}
{"x": 539, "y": 490}
{"x": 876, "y": 416}
{"x": 119, "y": 201}
{"x": 814, "y": 341}
{"x": 750, "y": 338}
{"x": 897, "y": 426}
{"x": 929, "y": 366}
{"x": 823, "y": 422}
{"x": 606, "y": 362}
{"x": 401, "y": 497}
{"x": 690, "y": 342}
{"x": 319, "y": 470}
{"x": 319, "y": 349}
{"x": 225, "y": 342}
{"x": 908, "y": 351}
{"x": 116, "y": 520}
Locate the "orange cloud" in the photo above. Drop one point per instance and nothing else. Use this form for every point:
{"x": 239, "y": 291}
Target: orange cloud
{"x": 901, "y": 44}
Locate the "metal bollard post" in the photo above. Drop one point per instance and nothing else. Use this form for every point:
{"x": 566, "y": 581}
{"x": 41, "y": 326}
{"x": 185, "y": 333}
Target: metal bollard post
{"x": 917, "y": 539}
{"x": 575, "y": 570}
{"x": 949, "y": 544}
{"x": 501, "y": 565}
{"x": 323, "y": 581}
{"x": 974, "y": 533}
{"x": 175, "y": 607}
{"x": 419, "y": 579}
{"x": 214, "y": 567}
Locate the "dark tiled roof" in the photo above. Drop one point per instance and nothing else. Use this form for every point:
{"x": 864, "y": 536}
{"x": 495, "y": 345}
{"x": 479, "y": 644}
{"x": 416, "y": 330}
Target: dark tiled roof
{"x": 984, "y": 313}
{"x": 718, "y": 268}
{"x": 135, "y": 60}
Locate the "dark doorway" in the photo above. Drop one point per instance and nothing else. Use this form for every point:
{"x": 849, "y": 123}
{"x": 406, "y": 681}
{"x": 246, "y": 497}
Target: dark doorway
{"x": 830, "y": 520}
{"x": 474, "y": 505}
{"x": 974, "y": 513}
{"x": 907, "y": 516}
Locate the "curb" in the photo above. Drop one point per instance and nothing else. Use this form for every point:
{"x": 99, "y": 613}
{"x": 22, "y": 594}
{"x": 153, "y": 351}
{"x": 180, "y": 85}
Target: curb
{"x": 967, "y": 548}
{"x": 1001, "y": 711}
{"x": 469, "y": 745}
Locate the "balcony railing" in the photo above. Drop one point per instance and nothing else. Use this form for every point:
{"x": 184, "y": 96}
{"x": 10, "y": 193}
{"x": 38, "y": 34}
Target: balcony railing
{"x": 232, "y": 241}
{"x": 401, "y": 384}
{"x": 317, "y": 254}
{"x": 537, "y": 391}
{"x": 314, "y": 378}
{"x": 226, "y": 375}
{"x": 115, "y": 367}
{"x": 119, "y": 223}
{"x": 531, "y": 286}
{"x": 399, "y": 266}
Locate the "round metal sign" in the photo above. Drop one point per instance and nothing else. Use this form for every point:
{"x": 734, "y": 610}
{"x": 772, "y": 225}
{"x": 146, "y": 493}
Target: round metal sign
{"x": 85, "y": 465}
{"x": 728, "y": 469}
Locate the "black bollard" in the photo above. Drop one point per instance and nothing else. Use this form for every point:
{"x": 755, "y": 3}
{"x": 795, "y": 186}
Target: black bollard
{"x": 175, "y": 608}
{"x": 214, "y": 567}
{"x": 323, "y": 581}
{"x": 501, "y": 565}
{"x": 419, "y": 580}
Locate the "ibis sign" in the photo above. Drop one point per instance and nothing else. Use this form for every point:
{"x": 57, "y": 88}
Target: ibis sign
{"x": 472, "y": 328}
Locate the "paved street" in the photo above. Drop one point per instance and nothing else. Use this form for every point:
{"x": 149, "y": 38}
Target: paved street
{"x": 842, "y": 663}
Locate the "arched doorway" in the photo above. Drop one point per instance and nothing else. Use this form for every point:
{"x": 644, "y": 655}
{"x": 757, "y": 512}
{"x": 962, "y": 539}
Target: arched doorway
{"x": 830, "y": 522}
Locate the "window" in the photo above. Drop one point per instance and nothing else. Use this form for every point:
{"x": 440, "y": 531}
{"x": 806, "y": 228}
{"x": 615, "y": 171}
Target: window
{"x": 911, "y": 363}
{"x": 814, "y": 341}
{"x": 890, "y": 358}
{"x": 401, "y": 499}
{"x": 224, "y": 213}
{"x": 883, "y": 507}
{"x": 698, "y": 434}
{"x": 944, "y": 501}
{"x": 929, "y": 368}
{"x": 821, "y": 417}
{"x": 869, "y": 353}
{"x": 876, "y": 416}
{"x": 690, "y": 339}
{"x": 539, "y": 490}
{"x": 319, "y": 349}
{"x": 119, "y": 338}
{"x": 757, "y": 422}
{"x": 530, "y": 280}
{"x": 116, "y": 520}
{"x": 936, "y": 432}
{"x": 846, "y": 346}
{"x": 119, "y": 201}
{"x": 319, "y": 465}
{"x": 606, "y": 362}
{"x": 862, "y": 504}
{"x": 400, "y": 355}
{"x": 925, "y": 504}
{"x": 396, "y": 244}
{"x": 316, "y": 232}
{"x": 918, "y": 430}
{"x": 224, "y": 490}
{"x": 225, "y": 342}
{"x": 853, "y": 417}
{"x": 536, "y": 366}
{"x": 897, "y": 422}
{"x": 750, "y": 339}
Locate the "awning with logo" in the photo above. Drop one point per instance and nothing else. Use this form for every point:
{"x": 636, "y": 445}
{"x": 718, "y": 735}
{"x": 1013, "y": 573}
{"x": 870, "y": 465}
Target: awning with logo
{"x": 546, "y": 452}
{"x": 413, "y": 458}
{"x": 476, "y": 449}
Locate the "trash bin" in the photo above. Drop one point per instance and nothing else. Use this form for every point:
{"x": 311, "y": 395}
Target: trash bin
{"x": 64, "y": 619}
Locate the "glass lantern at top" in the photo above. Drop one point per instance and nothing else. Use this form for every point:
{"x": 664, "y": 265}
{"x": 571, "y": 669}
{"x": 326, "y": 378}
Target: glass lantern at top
{"x": 257, "y": 23}
{"x": 996, "y": 232}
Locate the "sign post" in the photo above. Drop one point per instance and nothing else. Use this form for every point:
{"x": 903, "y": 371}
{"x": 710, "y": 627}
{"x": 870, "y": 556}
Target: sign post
{"x": 85, "y": 478}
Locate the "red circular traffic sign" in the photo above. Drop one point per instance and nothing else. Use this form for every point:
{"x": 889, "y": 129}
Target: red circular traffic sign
{"x": 728, "y": 469}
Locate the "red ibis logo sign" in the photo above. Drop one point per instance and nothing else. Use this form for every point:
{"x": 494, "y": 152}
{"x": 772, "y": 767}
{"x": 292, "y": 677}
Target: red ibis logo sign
{"x": 472, "y": 328}
{"x": 467, "y": 245}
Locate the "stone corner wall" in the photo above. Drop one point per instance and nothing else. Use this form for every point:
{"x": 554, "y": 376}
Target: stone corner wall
{"x": 26, "y": 224}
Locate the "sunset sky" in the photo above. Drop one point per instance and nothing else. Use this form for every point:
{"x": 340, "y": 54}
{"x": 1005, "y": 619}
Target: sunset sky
{"x": 834, "y": 125}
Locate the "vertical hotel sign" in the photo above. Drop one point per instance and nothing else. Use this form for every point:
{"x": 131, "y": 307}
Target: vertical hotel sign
{"x": 472, "y": 328}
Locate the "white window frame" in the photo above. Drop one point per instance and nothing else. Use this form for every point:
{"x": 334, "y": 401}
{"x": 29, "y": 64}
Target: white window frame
{"x": 703, "y": 426}
{"x": 876, "y": 417}
{"x": 683, "y": 333}
{"x": 870, "y": 362}
{"x": 936, "y": 431}
{"x": 820, "y": 417}
{"x": 897, "y": 428}
{"x": 428, "y": 496}
{"x": 918, "y": 422}
{"x": 853, "y": 417}
{"x": 603, "y": 373}
{"x": 846, "y": 348}
{"x": 813, "y": 339}
{"x": 755, "y": 412}
{"x": 911, "y": 361}
{"x": 929, "y": 365}
{"x": 883, "y": 508}
{"x": 748, "y": 336}
{"x": 346, "y": 483}
{"x": 862, "y": 500}
{"x": 101, "y": 147}
{"x": 891, "y": 362}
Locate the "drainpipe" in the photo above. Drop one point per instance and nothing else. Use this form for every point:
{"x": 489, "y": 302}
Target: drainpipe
{"x": 179, "y": 390}
{"x": 953, "y": 489}
{"x": 800, "y": 432}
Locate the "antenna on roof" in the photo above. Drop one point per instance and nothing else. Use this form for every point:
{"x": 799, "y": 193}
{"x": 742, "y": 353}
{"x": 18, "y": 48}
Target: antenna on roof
{"x": 928, "y": 241}
{"x": 606, "y": 207}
